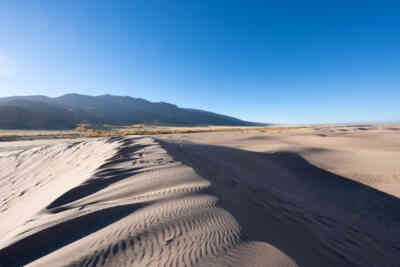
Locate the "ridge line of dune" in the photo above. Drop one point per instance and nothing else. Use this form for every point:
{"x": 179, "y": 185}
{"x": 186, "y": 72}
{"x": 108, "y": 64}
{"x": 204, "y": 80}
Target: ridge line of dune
{"x": 140, "y": 207}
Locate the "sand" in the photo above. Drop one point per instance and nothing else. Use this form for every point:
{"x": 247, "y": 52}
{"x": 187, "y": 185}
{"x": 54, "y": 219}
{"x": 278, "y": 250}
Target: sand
{"x": 328, "y": 197}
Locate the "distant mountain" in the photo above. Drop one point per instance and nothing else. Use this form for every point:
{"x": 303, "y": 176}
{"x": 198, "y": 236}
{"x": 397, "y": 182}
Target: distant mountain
{"x": 64, "y": 112}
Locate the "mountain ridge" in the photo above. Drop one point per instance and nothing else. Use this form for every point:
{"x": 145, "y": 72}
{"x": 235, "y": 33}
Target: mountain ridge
{"x": 66, "y": 111}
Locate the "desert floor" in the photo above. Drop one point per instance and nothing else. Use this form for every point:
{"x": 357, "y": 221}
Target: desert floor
{"x": 320, "y": 196}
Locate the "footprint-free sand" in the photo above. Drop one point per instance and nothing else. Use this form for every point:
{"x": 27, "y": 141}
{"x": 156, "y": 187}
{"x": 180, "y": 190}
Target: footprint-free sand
{"x": 324, "y": 198}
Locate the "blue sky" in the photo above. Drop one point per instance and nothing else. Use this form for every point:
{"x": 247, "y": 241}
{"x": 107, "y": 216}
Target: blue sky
{"x": 267, "y": 61}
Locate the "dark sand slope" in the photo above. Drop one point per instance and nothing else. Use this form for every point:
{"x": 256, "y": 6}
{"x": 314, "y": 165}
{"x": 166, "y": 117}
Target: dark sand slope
{"x": 315, "y": 217}
{"x": 141, "y": 207}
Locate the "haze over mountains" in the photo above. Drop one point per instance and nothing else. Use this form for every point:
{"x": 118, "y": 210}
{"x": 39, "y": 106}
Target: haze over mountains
{"x": 65, "y": 112}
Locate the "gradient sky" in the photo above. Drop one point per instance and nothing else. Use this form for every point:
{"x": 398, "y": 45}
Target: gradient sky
{"x": 267, "y": 61}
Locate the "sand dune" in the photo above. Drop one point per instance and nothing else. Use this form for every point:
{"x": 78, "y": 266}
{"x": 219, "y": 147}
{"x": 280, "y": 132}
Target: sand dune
{"x": 192, "y": 201}
{"x": 140, "y": 207}
{"x": 31, "y": 179}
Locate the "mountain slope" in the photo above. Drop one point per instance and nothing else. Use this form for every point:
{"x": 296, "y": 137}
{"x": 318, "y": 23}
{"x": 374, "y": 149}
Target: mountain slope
{"x": 25, "y": 114}
{"x": 64, "y": 112}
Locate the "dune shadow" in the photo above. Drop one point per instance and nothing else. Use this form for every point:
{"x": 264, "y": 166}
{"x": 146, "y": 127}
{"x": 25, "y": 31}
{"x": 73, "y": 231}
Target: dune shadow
{"x": 90, "y": 187}
{"x": 52, "y": 238}
{"x": 316, "y": 217}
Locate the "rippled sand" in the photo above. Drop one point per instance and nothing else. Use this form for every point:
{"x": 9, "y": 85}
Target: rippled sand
{"x": 217, "y": 199}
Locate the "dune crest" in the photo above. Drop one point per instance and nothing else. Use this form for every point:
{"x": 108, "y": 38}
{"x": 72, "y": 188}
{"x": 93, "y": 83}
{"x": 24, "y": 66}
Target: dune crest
{"x": 140, "y": 207}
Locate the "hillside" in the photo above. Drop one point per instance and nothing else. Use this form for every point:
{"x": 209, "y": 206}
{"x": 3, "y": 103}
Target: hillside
{"x": 64, "y": 112}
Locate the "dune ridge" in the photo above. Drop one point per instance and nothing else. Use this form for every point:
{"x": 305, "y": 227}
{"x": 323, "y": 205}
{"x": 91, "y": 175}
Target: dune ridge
{"x": 140, "y": 207}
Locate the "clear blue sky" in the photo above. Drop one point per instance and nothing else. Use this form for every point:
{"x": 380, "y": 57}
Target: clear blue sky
{"x": 268, "y": 61}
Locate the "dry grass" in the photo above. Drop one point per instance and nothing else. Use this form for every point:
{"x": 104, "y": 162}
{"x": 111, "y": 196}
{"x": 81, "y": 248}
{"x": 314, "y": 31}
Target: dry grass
{"x": 97, "y": 133}
{"x": 137, "y": 126}
{"x": 286, "y": 129}
{"x": 140, "y": 130}
{"x": 88, "y": 130}
{"x": 175, "y": 130}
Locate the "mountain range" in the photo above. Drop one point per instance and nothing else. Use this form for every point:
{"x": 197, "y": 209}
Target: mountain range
{"x": 65, "y": 112}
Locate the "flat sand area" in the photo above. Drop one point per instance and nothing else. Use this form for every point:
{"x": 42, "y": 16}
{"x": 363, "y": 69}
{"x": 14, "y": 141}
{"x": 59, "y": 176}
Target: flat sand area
{"x": 322, "y": 197}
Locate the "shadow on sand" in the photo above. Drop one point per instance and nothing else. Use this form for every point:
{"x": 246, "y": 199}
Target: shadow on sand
{"x": 52, "y": 238}
{"x": 315, "y": 217}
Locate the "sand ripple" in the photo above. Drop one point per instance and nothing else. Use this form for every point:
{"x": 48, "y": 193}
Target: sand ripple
{"x": 140, "y": 207}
